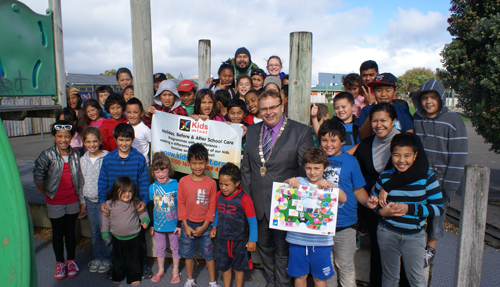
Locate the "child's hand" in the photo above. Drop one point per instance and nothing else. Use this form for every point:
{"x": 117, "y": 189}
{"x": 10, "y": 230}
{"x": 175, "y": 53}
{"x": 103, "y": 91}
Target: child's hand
{"x": 195, "y": 117}
{"x": 189, "y": 231}
{"x": 372, "y": 202}
{"x": 178, "y": 231}
{"x": 244, "y": 130}
{"x": 144, "y": 225}
{"x": 204, "y": 117}
{"x": 402, "y": 209}
{"x": 293, "y": 182}
{"x": 104, "y": 209}
{"x": 228, "y": 122}
{"x": 150, "y": 111}
{"x": 382, "y": 197}
{"x": 213, "y": 232}
{"x": 251, "y": 246}
{"x": 199, "y": 231}
{"x": 151, "y": 231}
{"x": 107, "y": 239}
{"x": 209, "y": 81}
{"x": 393, "y": 209}
{"x": 323, "y": 183}
{"x": 367, "y": 93}
{"x": 140, "y": 207}
{"x": 314, "y": 111}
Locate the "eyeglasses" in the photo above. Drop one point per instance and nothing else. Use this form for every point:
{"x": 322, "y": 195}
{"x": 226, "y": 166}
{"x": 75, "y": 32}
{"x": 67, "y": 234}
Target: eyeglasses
{"x": 63, "y": 127}
{"x": 271, "y": 108}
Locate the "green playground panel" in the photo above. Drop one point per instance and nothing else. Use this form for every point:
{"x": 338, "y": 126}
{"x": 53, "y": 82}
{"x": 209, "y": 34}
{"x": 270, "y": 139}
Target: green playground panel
{"x": 17, "y": 249}
{"x": 27, "y": 64}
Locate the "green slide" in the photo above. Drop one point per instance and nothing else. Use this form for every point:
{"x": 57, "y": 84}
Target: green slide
{"x": 17, "y": 252}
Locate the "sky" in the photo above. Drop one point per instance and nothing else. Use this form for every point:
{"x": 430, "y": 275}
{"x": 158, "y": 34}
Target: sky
{"x": 398, "y": 35}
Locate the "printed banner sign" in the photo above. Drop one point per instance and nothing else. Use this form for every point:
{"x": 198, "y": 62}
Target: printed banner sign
{"x": 173, "y": 135}
{"x": 305, "y": 209}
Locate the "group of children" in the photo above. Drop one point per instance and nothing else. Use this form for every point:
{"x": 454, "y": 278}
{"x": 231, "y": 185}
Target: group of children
{"x": 112, "y": 185}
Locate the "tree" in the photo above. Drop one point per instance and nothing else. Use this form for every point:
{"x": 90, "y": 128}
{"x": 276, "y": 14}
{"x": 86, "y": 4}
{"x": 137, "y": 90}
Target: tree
{"x": 472, "y": 64}
{"x": 109, "y": 73}
{"x": 412, "y": 79}
{"x": 169, "y": 76}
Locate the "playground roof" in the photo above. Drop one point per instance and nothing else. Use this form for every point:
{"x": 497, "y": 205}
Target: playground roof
{"x": 85, "y": 79}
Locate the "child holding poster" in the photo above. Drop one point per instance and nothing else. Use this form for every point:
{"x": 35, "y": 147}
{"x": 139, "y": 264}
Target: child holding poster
{"x": 311, "y": 252}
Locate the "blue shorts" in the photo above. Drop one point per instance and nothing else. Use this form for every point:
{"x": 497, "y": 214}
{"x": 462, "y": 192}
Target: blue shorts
{"x": 188, "y": 246}
{"x": 435, "y": 225}
{"x": 314, "y": 259}
{"x": 233, "y": 254}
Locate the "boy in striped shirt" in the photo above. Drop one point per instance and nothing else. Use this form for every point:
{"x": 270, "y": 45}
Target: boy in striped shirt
{"x": 402, "y": 218}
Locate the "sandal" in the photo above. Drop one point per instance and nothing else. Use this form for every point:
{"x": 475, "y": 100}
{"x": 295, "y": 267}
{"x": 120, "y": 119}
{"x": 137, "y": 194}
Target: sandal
{"x": 157, "y": 278}
{"x": 176, "y": 279}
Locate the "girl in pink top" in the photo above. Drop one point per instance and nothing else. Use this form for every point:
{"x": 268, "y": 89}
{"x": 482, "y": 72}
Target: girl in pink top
{"x": 354, "y": 84}
{"x": 92, "y": 116}
{"x": 205, "y": 108}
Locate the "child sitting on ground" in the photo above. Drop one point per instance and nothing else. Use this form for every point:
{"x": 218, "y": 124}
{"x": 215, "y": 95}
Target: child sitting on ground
{"x": 236, "y": 226}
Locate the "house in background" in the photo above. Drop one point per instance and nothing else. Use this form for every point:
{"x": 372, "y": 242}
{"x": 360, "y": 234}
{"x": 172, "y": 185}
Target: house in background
{"x": 87, "y": 84}
{"x": 324, "y": 94}
{"x": 329, "y": 79}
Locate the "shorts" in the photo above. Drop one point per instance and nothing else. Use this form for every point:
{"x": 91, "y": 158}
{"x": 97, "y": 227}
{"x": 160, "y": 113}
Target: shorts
{"x": 188, "y": 246}
{"x": 233, "y": 254}
{"x": 57, "y": 211}
{"x": 314, "y": 259}
{"x": 435, "y": 225}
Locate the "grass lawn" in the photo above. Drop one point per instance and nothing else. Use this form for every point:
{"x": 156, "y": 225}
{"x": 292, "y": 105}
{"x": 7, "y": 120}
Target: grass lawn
{"x": 412, "y": 111}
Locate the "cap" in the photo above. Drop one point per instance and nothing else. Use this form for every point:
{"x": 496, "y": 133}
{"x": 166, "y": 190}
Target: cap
{"x": 159, "y": 77}
{"x": 384, "y": 79}
{"x": 274, "y": 80}
{"x": 186, "y": 86}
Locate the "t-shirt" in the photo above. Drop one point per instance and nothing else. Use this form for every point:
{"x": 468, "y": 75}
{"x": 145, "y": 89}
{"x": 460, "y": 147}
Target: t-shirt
{"x": 66, "y": 193}
{"x": 142, "y": 139}
{"x": 197, "y": 199}
{"x": 345, "y": 173}
{"x": 233, "y": 214}
{"x": 404, "y": 120}
{"x": 350, "y": 141}
{"x": 359, "y": 104}
{"x": 189, "y": 109}
{"x": 98, "y": 123}
{"x": 164, "y": 197}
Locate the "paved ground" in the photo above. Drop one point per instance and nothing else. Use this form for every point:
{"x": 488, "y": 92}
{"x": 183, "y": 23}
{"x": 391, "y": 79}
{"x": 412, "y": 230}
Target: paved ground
{"x": 26, "y": 149}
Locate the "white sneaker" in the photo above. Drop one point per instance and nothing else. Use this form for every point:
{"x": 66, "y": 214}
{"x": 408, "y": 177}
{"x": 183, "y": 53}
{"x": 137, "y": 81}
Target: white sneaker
{"x": 94, "y": 265}
{"x": 190, "y": 284}
{"x": 105, "y": 266}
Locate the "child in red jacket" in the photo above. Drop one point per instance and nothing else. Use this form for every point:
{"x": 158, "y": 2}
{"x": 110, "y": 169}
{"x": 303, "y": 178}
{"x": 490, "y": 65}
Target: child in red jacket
{"x": 115, "y": 106}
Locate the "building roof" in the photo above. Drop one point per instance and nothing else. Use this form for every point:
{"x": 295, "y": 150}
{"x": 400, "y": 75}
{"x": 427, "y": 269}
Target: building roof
{"x": 85, "y": 79}
{"x": 336, "y": 88}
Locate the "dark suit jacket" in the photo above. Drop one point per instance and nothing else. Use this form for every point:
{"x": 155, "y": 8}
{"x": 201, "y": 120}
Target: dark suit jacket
{"x": 285, "y": 162}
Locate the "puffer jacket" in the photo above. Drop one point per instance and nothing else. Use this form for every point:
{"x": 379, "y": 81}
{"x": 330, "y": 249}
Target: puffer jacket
{"x": 49, "y": 167}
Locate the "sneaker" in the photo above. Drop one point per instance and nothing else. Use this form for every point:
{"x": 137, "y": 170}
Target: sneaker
{"x": 72, "y": 268}
{"x": 358, "y": 242}
{"x": 60, "y": 271}
{"x": 147, "y": 273}
{"x": 190, "y": 284}
{"x": 104, "y": 267}
{"x": 214, "y": 285}
{"x": 94, "y": 265}
{"x": 429, "y": 256}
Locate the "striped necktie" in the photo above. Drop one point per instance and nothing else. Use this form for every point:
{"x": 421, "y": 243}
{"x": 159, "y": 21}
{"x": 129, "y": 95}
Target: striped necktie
{"x": 268, "y": 143}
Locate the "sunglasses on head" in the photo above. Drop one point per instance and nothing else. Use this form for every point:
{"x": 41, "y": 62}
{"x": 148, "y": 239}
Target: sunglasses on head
{"x": 258, "y": 72}
{"x": 63, "y": 127}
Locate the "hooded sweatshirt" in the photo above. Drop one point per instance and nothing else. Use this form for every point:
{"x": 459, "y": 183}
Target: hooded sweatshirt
{"x": 177, "y": 109}
{"x": 444, "y": 138}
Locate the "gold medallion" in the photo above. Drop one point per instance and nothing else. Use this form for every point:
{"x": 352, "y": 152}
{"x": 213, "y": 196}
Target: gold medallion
{"x": 263, "y": 171}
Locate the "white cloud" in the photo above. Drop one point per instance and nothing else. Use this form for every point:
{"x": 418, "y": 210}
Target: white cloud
{"x": 97, "y": 34}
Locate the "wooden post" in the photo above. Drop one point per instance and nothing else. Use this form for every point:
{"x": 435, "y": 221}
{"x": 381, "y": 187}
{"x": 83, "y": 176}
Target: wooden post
{"x": 204, "y": 61}
{"x": 142, "y": 51}
{"x": 299, "y": 89}
{"x": 472, "y": 225}
{"x": 55, "y": 6}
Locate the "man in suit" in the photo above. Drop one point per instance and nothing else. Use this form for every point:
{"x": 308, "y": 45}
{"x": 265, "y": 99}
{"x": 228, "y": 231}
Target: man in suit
{"x": 273, "y": 152}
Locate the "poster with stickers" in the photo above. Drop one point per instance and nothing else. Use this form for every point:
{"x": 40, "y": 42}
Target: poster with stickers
{"x": 305, "y": 209}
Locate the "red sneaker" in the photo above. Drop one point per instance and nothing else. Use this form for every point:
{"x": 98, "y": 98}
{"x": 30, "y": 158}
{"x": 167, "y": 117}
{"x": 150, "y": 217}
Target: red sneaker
{"x": 60, "y": 271}
{"x": 72, "y": 268}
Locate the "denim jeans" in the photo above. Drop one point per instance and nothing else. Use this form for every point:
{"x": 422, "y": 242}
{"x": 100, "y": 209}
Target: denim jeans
{"x": 411, "y": 248}
{"x": 344, "y": 248}
{"x": 435, "y": 225}
{"x": 101, "y": 249}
